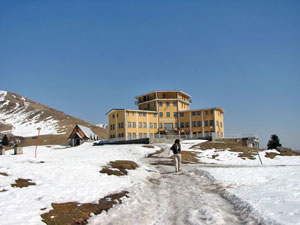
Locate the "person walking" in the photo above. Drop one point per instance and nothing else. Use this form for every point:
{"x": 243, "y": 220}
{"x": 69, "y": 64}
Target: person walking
{"x": 176, "y": 148}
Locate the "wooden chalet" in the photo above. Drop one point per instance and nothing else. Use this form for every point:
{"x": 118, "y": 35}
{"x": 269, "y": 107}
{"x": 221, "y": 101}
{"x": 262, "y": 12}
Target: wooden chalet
{"x": 81, "y": 134}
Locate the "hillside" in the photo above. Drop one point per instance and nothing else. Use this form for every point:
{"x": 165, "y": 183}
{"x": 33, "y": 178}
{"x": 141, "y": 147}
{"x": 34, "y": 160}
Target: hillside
{"x": 20, "y": 117}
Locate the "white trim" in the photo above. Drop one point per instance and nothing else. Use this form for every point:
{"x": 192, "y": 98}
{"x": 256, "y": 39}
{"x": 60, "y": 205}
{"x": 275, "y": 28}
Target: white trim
{"x": 215, "y": 124}
{"x": 202, "y": 123}
{"x": 125, "y": 124}
{"x": 116, "y": 119}
{"x": 147, "y": 126}
{"x": 190, "y": 124}
{"x": 137, "y": 125}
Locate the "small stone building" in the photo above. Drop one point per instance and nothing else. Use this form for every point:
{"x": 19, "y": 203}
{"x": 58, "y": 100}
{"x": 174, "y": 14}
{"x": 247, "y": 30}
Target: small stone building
{"x": 81, "y": 134}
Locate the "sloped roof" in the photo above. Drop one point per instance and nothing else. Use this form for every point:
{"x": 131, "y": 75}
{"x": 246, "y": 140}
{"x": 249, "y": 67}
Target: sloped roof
{"x": 87, "y": 132}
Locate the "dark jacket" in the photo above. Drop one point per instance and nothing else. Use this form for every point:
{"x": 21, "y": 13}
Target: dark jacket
{"x": 176, "y": 148}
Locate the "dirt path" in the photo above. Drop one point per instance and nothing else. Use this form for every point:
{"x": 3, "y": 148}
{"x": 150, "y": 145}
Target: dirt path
{"x": 187, "y": 197}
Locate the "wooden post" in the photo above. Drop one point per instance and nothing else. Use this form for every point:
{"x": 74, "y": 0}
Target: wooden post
{"x": 2, "y": 150}
{"x": 37, "y": 141}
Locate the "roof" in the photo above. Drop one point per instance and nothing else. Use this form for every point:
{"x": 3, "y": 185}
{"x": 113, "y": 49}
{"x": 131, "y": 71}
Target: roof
{"x": 217, "y": 108}
{"x": 130, "y": 110}
{"x": 87, "y": 132}
{"x": 164, "y": 91}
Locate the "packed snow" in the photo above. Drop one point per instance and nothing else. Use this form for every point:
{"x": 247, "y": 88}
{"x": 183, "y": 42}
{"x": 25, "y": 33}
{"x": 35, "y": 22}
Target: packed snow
{"x": 70, "y": 174}
{"x": 23, "y": 123}
{"x": 224, "y": 191}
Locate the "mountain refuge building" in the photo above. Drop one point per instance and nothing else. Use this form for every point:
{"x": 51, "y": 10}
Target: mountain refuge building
{"x": 81, "y": 134}
{"x": 165, "y": 113}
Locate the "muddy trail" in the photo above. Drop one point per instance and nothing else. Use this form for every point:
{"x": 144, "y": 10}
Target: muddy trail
{"x": 190, "y": 196}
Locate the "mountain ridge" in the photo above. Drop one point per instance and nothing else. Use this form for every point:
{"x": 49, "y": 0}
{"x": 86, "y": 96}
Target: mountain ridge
{"x": 20, "y": 117}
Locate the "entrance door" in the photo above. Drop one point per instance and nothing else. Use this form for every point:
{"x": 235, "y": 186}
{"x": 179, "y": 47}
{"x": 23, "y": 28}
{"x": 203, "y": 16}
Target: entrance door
{"x": 169, "y": 126}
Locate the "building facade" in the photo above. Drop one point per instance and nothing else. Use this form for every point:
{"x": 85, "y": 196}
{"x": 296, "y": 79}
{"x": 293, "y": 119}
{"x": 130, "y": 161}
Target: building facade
{"x": 163, "y": 113}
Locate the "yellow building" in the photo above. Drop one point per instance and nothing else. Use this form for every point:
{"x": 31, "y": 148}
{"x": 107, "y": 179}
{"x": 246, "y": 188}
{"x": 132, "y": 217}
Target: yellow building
{"x": 165, "y": 113}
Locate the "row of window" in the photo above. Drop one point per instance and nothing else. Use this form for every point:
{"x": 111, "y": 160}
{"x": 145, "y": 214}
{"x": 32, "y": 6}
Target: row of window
{"x": 197, "y": 123}
{"x": 154, "y": 125}
{"x": 151, "y": 135}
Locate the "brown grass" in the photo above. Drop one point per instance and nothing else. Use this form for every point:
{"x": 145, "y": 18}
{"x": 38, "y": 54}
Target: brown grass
{"x": 3, "y": 174}
{"x": 244, "y": 151}
{"x": 21, "y": 183}
{"x": 148, "y": 146}
{"x": 121, "y": 165}
{"x": 71, "y": 213}
{"x": 189, "y": 157}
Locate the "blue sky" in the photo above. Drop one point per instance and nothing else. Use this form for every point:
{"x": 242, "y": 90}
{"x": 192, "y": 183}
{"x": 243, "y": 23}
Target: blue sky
{"x": 86, "y": 57}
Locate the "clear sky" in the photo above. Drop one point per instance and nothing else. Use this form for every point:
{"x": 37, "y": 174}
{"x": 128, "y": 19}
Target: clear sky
{"x": 86, "y": 57}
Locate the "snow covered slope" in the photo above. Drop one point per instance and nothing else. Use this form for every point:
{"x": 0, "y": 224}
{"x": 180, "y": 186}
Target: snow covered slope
{"x": 21, "y": 116}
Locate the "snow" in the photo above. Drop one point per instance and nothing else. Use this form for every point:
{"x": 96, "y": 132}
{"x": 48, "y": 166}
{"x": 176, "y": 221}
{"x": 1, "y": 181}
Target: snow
{"x": 2, "y": 95}
{"x": 213, "y": 193}
{"x": 88, "y": 133}
{"x": 272, "y": 191}
{"x": 23, "y": 124}
{"x": 70, "y": 174}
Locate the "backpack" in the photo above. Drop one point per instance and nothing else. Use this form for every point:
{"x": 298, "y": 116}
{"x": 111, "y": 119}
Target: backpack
{"x": 174, "y": 149}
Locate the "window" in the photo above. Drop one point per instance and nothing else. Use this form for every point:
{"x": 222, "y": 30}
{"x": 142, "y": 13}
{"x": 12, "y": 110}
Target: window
{"x": 161, "y": 114}
{"x": 206, "y": 133}
{"x": 217, "y": 123}
{"x": 127, "y": 113}
{"x": 199, "y": 123}
{"x": 148, "y": 106}
{"x": 140, "y": 124}
{"x": 206, "y": 123}
{"x": 140, "y": 135}
{"x": 167, "y": 104}
{"x": 113, "y": 116}
{"x": 133, "y": 125}
{"x": 206, "y": 112}
{"x": 160, "y": 104}
{"x": 144, "y": 114}
{"x": 151, "y": 135}
{"x": 168, "y": 114}
{"x": 175, "y": 114}
{"x": 155, "y": 125}
{"x": 129, "y": 124}
{"x": 212, "y": 111}
{"x": 221, "y": 125}
{"x": 211, "y": 123}
{"x": 182, "y": 124}
{"x": 129, "y": 136}
{"x": 160, "y": 125}
{"x": 151, "y": 125}
{"x": 176, "y": 125}
{"x": 121, "y": 125}
{"x": 132, "y": 113}
{"x": 181, "y": 114}
{"x": 134, "y": 135}
{"x": 181, "y": 105}
{"x": 145, "y": 135}
{"x": 199, "y": 113}
{"x": 117, "y": 115}
{"x": 187, "y": 124}
{"x": 140, "y": 114}
{"x": 174, "y": 103}
{"x": 193, "y": 113}
{"x": 194, "y": 123}
{"x": 114, "y": 127}
{"x": 199, "y": 134}
{"x": 154, "y": 115}
{"x": 194, "y": 134}
{"x": 144, "y": 125}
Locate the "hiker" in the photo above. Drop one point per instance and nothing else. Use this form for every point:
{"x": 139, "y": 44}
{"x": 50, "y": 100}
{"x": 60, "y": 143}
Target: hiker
{"x": 176, "y": 148}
